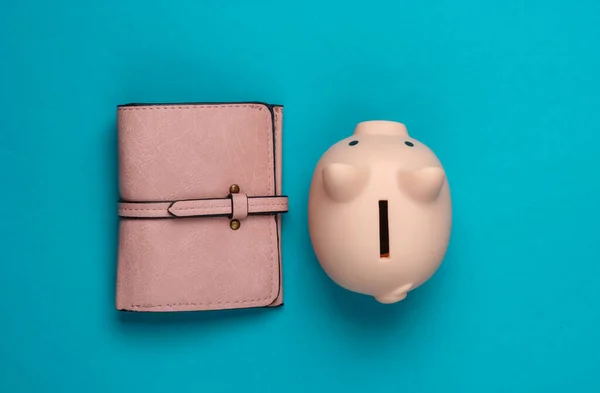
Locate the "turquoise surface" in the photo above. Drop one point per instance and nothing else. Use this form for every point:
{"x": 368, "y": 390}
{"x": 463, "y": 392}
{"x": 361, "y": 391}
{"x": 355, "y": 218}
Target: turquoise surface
{"x": 507, "y": 93}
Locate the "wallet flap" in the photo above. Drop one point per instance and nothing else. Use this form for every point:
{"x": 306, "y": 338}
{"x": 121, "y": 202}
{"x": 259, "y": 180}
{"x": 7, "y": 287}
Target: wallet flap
{"x": 175, "y": 152}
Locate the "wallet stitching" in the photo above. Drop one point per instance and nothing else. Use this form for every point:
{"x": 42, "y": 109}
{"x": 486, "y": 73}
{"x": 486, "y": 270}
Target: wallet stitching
{"x": 198, "y": 208}
{"x": 201, "y": 208}
{"x": 142, "y": 108}
{"x": 132, "y": 208}
{"x": 270, "y": 158}
{"x": 212, "y": 207}
{"x": 278, "y": 205}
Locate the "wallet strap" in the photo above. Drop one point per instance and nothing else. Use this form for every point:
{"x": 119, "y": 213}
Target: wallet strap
{"x": 236, "y": 206}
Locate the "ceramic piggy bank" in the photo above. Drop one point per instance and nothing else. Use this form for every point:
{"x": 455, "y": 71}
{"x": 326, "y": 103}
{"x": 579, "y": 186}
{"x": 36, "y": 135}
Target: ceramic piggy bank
{"x": 379, "y": 211}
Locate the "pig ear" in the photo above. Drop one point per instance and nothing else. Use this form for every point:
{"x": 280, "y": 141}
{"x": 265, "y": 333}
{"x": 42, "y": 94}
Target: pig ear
{"x": 344, "y": 182}
{"x": 424, "y": 184}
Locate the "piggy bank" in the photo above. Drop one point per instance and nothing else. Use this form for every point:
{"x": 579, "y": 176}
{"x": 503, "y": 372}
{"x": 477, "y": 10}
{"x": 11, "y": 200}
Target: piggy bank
{"x": 379, "y": 211}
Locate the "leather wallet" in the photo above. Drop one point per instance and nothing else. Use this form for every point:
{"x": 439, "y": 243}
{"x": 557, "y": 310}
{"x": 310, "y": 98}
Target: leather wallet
{"x": 200, "y": 206}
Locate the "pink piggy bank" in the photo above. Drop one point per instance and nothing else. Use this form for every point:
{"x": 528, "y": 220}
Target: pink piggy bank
{"x": 380, "y": 212}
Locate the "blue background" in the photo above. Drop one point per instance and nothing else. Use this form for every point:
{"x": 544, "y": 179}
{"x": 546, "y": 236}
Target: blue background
{"x": 507, "y": 93}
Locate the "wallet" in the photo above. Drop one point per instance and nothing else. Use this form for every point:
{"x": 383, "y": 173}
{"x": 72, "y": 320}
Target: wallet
{"x": 200, "y": 206}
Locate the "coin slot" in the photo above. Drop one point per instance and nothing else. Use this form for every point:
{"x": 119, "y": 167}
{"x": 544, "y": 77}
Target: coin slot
{"x": 384, "y": 230}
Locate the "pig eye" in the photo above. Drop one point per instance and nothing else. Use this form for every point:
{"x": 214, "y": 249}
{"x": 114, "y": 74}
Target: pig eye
{"x": 409, "y": 143}
{"x": 353, "y": 143}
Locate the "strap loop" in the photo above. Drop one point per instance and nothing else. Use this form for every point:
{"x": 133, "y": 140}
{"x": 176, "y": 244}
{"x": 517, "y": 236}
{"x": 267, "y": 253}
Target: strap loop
{"x": 239, "y": 204}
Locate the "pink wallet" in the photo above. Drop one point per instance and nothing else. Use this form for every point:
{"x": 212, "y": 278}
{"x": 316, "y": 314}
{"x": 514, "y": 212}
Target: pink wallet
{"x": 200, "y": 208}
